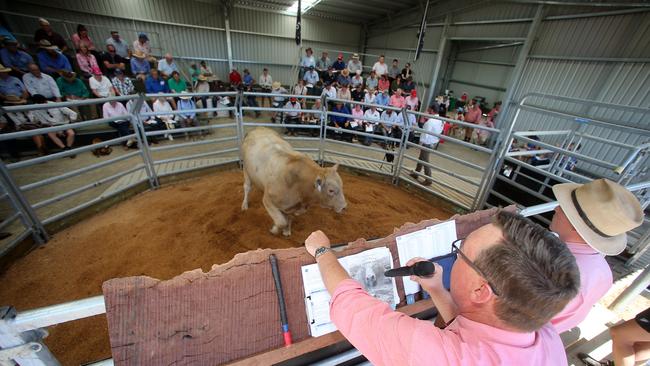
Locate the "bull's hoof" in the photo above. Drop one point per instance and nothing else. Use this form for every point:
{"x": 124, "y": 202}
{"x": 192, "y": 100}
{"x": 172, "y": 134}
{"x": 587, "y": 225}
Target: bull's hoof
{"x": 286, "y": 232}
{"x": 244, "y": 206}
{"x": 274, "y": 230}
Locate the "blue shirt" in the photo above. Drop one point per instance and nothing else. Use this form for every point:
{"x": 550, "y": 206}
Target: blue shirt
{"x": 248, "y": 79}
{"x": 382, "y": 99}
{"x": 139, "y": 66}
{"x": 311, "y": 77}
{"x": 51, "y": 65}
{"x": 338, "y": 65}
{"x": 156, "y": 86}
{"x": 20, "y": 59}
{"x": 186, "y": 105}
{"x": 339, "y": 119}
{"x": 12, "y": 86}
{"x": 343, "y": 80}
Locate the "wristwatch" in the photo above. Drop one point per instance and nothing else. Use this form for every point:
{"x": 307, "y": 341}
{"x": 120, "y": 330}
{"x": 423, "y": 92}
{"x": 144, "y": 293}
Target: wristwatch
{"x": 320, "y": 251}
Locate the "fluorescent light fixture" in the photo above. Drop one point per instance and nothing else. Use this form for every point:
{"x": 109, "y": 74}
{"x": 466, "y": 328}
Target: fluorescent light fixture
{"x": 306, "y": 5}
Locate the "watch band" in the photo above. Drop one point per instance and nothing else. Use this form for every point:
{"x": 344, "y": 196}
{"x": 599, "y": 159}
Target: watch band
{"x": 320, "y": 251}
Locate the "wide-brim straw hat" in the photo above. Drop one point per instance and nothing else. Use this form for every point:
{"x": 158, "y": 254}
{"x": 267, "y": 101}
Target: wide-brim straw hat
{"x": 601, "y": 212}
{"x": 276, "y": 84}
{"x": 185, "y": 97}
{"x": 45, "y": 44}
{"x": 345, "y": 72}
{"x": 12, "y": 99}
{"x": 202, "y": 78}
{"x": 139, "y": 54}
{"x": 3, "y": 68}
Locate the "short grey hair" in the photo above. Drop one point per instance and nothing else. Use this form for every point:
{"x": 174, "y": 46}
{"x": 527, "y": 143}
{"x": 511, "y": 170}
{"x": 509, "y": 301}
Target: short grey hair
{"x": 533, "y": 271}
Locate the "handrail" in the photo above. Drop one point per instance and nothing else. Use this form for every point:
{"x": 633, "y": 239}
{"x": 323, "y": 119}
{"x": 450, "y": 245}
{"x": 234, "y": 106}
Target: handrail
{"x": 586, "y": 101}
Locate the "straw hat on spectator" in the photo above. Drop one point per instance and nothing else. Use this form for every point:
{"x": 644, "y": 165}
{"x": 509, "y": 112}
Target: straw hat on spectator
{"x": 202, "y": 78}
{"x": 601, "y": 212}
{"x": 276, "y": 85}
{"x": 15, "y": 100}
{"x": 185, "y": 97}
{"x": 345, "y": 72}
{"x": 43, "y": 21}
{"x": 355, "y": 56}
{"x": 139, "y": 54}
{"x": 45, "y": 44}
{"x": 3, "y": 68}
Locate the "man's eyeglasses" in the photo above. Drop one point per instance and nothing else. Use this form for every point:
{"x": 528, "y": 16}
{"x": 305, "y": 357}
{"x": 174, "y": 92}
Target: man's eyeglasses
{"x": 455, "y": 248}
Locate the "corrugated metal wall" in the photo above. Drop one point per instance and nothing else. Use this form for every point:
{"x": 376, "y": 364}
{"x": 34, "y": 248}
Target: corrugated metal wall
{"x": 193, "y": 30}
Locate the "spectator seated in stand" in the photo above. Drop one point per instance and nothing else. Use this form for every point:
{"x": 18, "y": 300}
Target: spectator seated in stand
{"x": 21, "y": 121}
{"x": 167, "y": 66}
{"x": 278, "y": 101}
{"x": 412, "y": 100}
{"x": 357, "y": 120}
{"x": 371, "y": 115}
{"x": 111, "y": 61}
{"x": 116, "y": 109}
{"x": 121, "y": 45}
{"x": 306, "y": 61}
{"x": 357, "y": 93}
{"x": 412, "y": 123}
{"x": 37, "y": 82}
{"x": 393, "y": 71}
{"x": 344, "y": 93}
{"x": 14, "y": 58}
{"x": 383, "y": 84}
{"x": 354, "y": 65}
{"x": 122, "y": 84}
{"x": 11, "y": 85}
{"x": 330, "y": 91}
{"x": 323, "y": 64}
{"x": 300, "y": 89}
{"x": 45, "y": 32}
{"x": 356, "y": 80}
{"x": 407, "y": 72}
{"x": 313, "y": 118}
{"x": 140, "y": 67}
{"x": 55, "y": 117}
{"x": 266, "y": 83}
{"x": 186, "y": 103}
{"x": 339, "y": 64}
{"x": 408, "y": 86}
{"x": 397, "y": 100}
{"x": 344, "y": 78}
{"x": 247, "y": 80}
{"x": 235, "y": 78}
{"x": 86, "y": 61}
{"x": 380, "y": 68}
{"x": 311, "y": 77}
{"x": 175, "y": 83}
{"x": 82, "y": 37}
{"x": 388, "y": 120}
{"x": 72, "y": 88}
{"x": 396, "y": 84}
{"x": 330, "y": 76}
{"x": 100, "y": 85}
{"x": 162, "y": 108}
{"x": 342, "y": 122}
{"x": 369, "y": 97}
{"x": 372, "y": 81}
{"x": 292, "y": 118}
{"x": 143, "y": 46}
{"x": 51, "y": 60}
{"x": 150, "y": 123}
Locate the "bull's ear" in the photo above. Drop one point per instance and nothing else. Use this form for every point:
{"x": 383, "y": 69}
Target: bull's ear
{"x": 319, "y": 184}
{"x": 335, "y": 167}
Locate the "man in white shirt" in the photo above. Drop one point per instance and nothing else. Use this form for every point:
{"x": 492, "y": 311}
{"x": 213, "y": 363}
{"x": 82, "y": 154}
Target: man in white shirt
{"x": 100, "y": 85}
{"x": 380, "y": 68}
{"x": 354, "y": 65}
{"x": 428, "y": 141}
{"x": 122, "y": 125}
{"x": 307, "y": 60}
{"x": 385, "y": 128}
{"x": 412, "y": 122}
{"x": 329, "y": 91}
{"x": 266, "y": 83}
{"x": 292, "y": 118}
{"x": 38, "y": 83}
{"x": 166, "y": 66}
{"x": 370, "y": 116}
{"x": 55, "y": 117}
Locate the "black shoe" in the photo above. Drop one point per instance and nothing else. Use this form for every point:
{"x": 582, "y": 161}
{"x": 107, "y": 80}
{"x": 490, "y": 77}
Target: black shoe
{"x": 590, "y": 361}
{"x": 69, "y": 148}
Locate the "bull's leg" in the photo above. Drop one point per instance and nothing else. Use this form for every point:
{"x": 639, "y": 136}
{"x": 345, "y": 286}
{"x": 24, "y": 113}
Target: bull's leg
{"x": 280, "y": 221}
{"x": 287, "y": 230}
{"x": 247, "y": 189}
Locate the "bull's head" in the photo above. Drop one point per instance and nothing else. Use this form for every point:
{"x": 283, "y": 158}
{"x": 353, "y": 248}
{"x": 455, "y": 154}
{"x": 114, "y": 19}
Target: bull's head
{"x": 330, "y": 189}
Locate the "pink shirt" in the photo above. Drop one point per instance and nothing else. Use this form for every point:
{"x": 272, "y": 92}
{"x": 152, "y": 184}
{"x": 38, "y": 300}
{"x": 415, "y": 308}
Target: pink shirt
{"x": 397, "y": 101}
{"x": 473, "y": 115}
{"x": 76, "y": 40}
{"x": 87, "y": 62}
{"x": 109, "y": 111}
{"x": 387, "y": 337}
{"x": 383, "y": 84}
{"x": 595, "y": 280}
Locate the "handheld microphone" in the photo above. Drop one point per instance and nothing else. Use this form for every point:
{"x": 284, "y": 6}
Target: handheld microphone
{"x": 422, "y": 269}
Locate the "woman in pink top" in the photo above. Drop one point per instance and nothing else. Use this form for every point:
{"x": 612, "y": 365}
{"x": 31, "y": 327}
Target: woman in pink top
{"x": 384, "y": 83}
{"x": 82, "y": 37}
{"x": 357, "y": 118}
{"x": 413, "y": 100}
{"x": 86, "y": 61}
{"x": 397, "y": 100}
{"x": 501, "y": 307}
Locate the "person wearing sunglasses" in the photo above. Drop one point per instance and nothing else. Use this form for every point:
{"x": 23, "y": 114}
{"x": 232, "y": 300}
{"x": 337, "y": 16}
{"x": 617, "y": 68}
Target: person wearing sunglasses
{"x": 510, "y": 278}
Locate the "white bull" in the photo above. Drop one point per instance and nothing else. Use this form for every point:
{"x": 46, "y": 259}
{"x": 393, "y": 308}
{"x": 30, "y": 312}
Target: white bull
{"x": 291, "y": 181}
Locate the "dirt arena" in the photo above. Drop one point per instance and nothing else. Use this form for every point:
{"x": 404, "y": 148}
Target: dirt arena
{"x": 163, "y": 233}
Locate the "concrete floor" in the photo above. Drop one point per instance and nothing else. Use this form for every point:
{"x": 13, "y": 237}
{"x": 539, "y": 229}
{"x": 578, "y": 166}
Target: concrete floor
{"x": 592, "y": 337}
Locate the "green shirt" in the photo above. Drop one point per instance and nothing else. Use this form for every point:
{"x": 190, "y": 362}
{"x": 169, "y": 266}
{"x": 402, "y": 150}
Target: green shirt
{"x": 76, "y": 88}
{"x": 177, "y": 86}
{"x": 194, "y": 74}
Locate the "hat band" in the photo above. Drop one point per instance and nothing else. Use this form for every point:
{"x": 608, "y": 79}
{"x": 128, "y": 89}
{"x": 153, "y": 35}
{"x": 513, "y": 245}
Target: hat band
{"x": 584, "y": 217}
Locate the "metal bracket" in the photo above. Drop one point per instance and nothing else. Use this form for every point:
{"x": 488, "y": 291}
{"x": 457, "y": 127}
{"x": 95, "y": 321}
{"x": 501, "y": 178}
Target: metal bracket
{"x": 27, "y": 350}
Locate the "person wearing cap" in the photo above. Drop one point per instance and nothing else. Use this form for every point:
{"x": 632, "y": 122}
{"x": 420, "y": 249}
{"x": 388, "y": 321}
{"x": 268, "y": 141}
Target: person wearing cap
{"x": 45, "y": 32}
{"x": 100, "y": 85}
{"x": 339, "y": 64}
{"x": 380, "y": 68}
{"x": 123, "y": 84}
{"x": 357, "y": 80}
{"x": 55, "y": 117}
{"x": 11, "y": 85}
{"x": 311, "y": 76}
{"x": 292, "y": 117}
{"x": 397, "y": 100}
{"x": 188, "y": 119}
{"x": 266, "y": 83}
{"x": 412, "y": 100}
{"x": 139, "y": 64}
{"x": 306, "y": 61}
{"x": 142, "y": 45}
{"x": 323, "y": 63}
{"x": 15, "y": 59}
{"x": 176, "y": 83}
{"x": 592, "y": 219}
{"x": 87, "y": 61}
{"x": 235, "y": 78}
{"x": 354, "y": 65}
{"x": 82, "y": 37}
{"x": 167, "y": 65}
{"x": 503, "y": 305}
{"x": 37, "y": 82}
{"x": 428, "y": 141}
{"x": 372, "y": 81}
{"x": 121, "y": 45}
{"x": 383, "y": 84}
{"x": 112, "y": 62}
{"x": 52, "y": 61}
{"x": 393, "y": 70}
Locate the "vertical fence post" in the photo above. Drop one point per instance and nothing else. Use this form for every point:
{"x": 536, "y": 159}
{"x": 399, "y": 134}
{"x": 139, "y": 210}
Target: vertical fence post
{"x": 33, "y": 351}
{"x": 397, "y": 163}
{"x": 15, "y": 195}
{"x": 322, "y": 133}
{"x": 143, "y": 144}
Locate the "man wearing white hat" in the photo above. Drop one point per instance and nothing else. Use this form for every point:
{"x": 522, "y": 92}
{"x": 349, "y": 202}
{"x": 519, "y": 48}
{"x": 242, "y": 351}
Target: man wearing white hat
{"x": 354, "y": 65}
{"x": 592, "y": 219}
